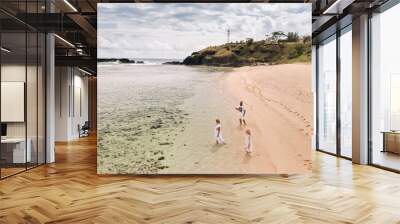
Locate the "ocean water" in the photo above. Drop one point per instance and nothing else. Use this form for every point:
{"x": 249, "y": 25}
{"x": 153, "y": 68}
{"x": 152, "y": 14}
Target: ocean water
{"x": 145, "y": 110}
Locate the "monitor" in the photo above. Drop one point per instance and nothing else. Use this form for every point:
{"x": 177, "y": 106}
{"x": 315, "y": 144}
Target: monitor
{"x": 3, "y": 129}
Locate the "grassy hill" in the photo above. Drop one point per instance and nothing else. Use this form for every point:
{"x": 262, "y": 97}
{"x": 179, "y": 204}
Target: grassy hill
{"x": 251, "y": 53}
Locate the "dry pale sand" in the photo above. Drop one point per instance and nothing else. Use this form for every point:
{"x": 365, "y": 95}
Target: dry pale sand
{"x": 279, "y": 105}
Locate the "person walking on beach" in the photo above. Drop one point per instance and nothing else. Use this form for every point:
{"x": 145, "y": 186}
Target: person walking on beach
{"x": 242, "y": 112}
{"x": 248, "y": 146}
{"x": 218, "y": 134}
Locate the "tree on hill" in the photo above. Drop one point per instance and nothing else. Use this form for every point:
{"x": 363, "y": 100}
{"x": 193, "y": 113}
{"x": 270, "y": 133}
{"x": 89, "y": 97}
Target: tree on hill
{"x": 278, "y": 35}
{"x": 292, "y": 37}
{"x": 307, "y": 39}
{"x": 249, "y": 41}
{"x": 275, "y": 36}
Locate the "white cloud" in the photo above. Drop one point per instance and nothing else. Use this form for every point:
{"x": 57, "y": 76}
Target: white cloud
{"x": 155, "y": 30}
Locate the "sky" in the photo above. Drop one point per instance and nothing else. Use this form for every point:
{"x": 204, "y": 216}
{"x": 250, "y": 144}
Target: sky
{"x": 174, "y": 31}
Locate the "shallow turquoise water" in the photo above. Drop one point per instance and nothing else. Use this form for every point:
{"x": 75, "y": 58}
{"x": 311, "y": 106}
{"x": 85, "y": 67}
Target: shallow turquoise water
{"x": 142, "y": 110}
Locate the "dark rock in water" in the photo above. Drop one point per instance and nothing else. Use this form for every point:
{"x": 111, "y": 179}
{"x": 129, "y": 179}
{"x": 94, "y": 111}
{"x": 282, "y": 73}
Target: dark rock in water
{"x": 107, "y": 59}
{"x": 165, "y": 143}
{"x": 155, "y": 126}
{"x": 140, "y": 62}
{"x": 162, "y": 167}
{"x": 161, "y": 158}
{"x": 125, "y": 60}
{"x": 173, "y": 63}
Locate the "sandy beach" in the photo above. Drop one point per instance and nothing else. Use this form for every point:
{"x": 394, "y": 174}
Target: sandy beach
{"x": 278, "y": 101}
{"x": 161, "y": 119}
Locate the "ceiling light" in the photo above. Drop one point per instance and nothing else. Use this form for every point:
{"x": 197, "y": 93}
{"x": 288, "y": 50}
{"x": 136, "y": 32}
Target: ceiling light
{"x": 64, "y": 40}
{"x": 79, "y": 51}
{"x": 70, "y": 5}
{"x": 338, "y": 6}
{"x": 84, "y": 71}
{"x": 5, "y": 50}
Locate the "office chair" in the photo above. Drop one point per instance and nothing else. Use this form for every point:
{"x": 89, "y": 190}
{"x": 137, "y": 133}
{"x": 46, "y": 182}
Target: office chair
{"x": 84, "y": 130}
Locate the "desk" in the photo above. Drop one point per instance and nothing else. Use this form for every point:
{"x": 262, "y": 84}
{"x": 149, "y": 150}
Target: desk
{"x": 391, "y": 141}
{"x": 16, "y": 147}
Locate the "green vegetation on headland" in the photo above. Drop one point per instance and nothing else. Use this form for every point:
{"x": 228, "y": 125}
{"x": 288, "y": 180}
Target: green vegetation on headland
{"x": 277, "y": 48}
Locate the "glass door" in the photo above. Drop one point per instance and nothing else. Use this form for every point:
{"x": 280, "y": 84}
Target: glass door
{"x": 385, "y": 89}
{"x": 346, "y": 92}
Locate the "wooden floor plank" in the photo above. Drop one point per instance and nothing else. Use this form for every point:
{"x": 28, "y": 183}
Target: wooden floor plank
{"x": 70, "y": 191}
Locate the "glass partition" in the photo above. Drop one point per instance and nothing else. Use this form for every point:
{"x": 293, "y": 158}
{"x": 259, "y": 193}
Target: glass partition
{"x": 327, "y": 95}
{"x": 22, "y": 77}
{"x": 13, "y": 114}
{"x": 385, "y": 89}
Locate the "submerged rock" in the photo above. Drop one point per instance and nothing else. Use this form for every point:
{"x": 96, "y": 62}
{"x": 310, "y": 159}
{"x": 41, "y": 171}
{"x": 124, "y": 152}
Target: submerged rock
{"x": 126, "y": 60}
{"x": 155, "y": 126}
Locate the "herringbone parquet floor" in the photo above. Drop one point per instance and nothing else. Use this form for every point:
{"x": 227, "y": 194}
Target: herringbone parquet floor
{"x": 69, "y": 191}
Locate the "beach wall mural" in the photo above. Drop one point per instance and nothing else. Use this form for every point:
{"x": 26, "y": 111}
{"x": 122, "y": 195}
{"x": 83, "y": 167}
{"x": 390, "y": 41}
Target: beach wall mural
{"x": 204, "y": 88}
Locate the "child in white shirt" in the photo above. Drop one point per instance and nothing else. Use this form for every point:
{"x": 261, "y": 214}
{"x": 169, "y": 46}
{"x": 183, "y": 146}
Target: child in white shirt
{"x": 248, "y": 142}
{"x": 218, "y": 134}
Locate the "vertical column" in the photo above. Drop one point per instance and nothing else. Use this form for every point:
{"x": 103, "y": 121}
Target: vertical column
{"x": 50, "y": 99}
{"x": 50, "y": 92}
{"x": 314, "y": 90}
{"x": 62, "y": 103}
{"x": 360, "y": 90}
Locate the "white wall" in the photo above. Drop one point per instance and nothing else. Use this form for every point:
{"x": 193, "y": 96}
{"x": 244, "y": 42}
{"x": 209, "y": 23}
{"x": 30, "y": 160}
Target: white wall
{"x": 62, "y": 82}
{"x": 33, "y": 126}
{"x": 17, "y": 72}
{"x": 70, "y": 83}
{"x": 10, "y": 73}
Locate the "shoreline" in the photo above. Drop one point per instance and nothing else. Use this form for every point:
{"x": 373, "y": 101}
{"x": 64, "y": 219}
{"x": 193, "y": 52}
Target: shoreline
{"x": 170, "y": 130}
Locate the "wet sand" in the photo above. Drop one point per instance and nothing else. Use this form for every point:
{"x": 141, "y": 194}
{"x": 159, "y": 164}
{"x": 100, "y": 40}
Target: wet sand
{"x": 278, "y": 101}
